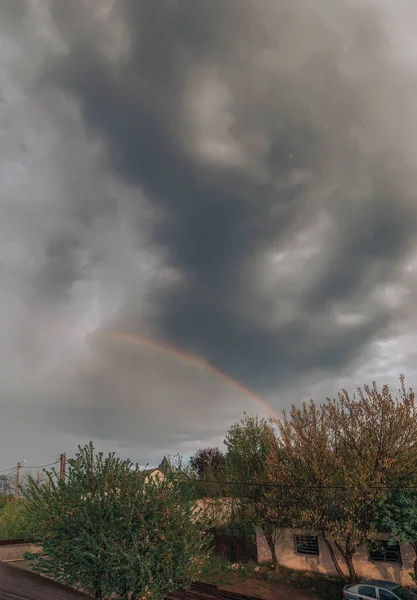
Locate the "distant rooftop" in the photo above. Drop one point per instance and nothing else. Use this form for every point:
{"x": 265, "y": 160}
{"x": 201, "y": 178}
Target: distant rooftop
{"x": 164, "y": 466}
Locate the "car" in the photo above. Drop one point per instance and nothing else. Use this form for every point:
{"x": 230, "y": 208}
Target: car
{"x": 381, "y": 590}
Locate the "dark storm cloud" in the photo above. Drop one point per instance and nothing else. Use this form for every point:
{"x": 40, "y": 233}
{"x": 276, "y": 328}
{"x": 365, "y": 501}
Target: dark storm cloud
{"x": 62, "y": 265}
{"x": 320, "y": 109}
{"x": 13, "y": 13}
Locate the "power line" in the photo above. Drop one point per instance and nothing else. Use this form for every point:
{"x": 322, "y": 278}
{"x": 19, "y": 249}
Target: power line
{"x": 22, "y": 466}
{"x": 41, "y": 466}
{"x": 256, "y": 484}
{"x": 11, "y": 470}
{"x": 303, "y": 487}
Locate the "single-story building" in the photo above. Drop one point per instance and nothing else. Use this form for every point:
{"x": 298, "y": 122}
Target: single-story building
{"x": 296, "y": 550}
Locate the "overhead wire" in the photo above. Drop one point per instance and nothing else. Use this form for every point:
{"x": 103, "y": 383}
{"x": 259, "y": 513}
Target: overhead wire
{"x": 40, "y": 466}
{"x": 10, "y": 470}
{"x": 22, "y": 466}
{"x": 304, "y": 487}
{"x": 256, "y": 484}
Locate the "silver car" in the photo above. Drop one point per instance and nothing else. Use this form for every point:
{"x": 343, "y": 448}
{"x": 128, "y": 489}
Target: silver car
{"x": 382, "y": 590}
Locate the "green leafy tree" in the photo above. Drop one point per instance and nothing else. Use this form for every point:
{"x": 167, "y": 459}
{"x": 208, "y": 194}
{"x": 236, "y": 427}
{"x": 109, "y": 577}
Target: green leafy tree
{"x": 185, "y": 476}
{"x": 109, "y": 531}
{"x": 398, "y": 517}
{"x": 208, "y": 460}
{"x": 14, "y": 521}
{"x": 256, "y": 504}
{"x": 208, "y": 466}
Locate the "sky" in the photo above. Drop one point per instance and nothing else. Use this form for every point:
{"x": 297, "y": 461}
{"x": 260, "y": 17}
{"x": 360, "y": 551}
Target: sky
{"x": 235, "y": 181}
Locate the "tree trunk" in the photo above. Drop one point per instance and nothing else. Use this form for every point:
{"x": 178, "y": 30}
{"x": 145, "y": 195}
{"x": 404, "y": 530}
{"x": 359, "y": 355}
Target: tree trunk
{"x": 348, "y": 557}
{"x": 271, "y": 544}
{"x": 350, "y": 566}
{"x": 98, "y": 593}
{"x": 333, "y": 557}
{"x": 414, "y": 545}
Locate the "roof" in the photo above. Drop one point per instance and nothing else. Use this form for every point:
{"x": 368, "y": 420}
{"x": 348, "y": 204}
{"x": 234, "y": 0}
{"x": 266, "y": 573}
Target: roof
{"x": 385, "y": 585}
{"x": 164, "y": 467}
{"x": 149, "y": 471}
{"x": 17, "y": 584}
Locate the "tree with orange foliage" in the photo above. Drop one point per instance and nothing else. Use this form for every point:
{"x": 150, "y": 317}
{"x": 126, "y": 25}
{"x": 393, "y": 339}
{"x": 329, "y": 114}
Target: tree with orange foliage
{"x": 342, "y": 456}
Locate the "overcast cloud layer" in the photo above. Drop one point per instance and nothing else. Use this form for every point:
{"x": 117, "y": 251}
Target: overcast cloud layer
{"x": 236, "y": 179}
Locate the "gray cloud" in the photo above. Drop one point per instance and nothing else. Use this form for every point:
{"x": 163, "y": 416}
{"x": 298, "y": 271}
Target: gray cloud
{"x": 236, "y": 179}
{"x": 310, "y": 109}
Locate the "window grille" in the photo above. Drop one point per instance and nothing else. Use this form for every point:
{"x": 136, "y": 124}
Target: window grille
{"x": 306, "y": 544}
{"x": 383, "y": 551}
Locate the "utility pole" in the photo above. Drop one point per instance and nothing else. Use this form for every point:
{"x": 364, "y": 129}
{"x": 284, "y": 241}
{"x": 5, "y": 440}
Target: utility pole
{"x": 62, "y": 466}
{"x": 16, "y": 492}
{"x": 19, "y": 466}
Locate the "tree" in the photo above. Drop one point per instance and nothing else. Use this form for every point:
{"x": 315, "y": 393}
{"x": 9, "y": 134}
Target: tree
{"x": 5, "y": 490}
{"x": 208, "y": 465}
{"x": 208, "y": 461}
{"x": 107, "y": 530}
{"x": 303, "y": 462}
{"x": 398, "y": 517}
{"x": 14, "y": 521}
{"x": 347, "y": 452}
{"x": 5, "y": 487}
{"x": 256, "y": 505}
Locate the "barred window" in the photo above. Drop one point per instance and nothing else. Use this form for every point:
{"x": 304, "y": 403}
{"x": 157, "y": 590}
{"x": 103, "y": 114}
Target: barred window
{"x": 306, "y": 544}
{"x": 384, "y": 551}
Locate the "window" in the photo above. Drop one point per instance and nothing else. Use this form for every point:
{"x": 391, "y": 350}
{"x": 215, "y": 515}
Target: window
{"x": 384, "y": 595}
{"x": 383, "y": 551}
{"x": 367, "y": 591}
{"x": 306, "y": 544}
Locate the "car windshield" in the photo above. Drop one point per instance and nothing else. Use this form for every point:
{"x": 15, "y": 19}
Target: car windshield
{"x": 404, "y": 594}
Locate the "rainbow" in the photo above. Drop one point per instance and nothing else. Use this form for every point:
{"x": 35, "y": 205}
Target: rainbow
{"x": 168, "y": 350}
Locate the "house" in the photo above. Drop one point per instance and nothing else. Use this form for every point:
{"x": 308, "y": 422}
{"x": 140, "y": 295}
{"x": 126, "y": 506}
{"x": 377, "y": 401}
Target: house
{"x": 160, "y": 472}
{"x": 296, "y": 550}
{"x": 17, "y": 584}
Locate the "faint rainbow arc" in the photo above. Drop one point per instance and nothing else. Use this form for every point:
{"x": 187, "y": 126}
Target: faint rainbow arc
{"x": 167, "y": 349}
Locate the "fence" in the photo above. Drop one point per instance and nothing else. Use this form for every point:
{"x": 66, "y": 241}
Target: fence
{"x": 234, "y": 546}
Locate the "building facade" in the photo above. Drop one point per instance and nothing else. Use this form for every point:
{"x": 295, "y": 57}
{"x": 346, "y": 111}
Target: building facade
{"x": 302, "y": 552}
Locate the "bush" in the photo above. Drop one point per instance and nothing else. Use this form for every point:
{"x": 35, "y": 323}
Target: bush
{"x": 109, "y": 530}
{"x": 214, "y": 565}
{"x": 14, "y": 521}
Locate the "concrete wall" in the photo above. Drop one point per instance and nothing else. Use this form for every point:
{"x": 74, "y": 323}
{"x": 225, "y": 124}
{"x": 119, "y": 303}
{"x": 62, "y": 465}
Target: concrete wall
{"x": 217, "y": 509}
{"x": 16, "y": 551}
{"x": 323, "y": 563}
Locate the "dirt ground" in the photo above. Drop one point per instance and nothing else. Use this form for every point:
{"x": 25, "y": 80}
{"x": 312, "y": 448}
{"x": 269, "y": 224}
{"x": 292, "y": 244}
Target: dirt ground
{"x": 268, "y": 590}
